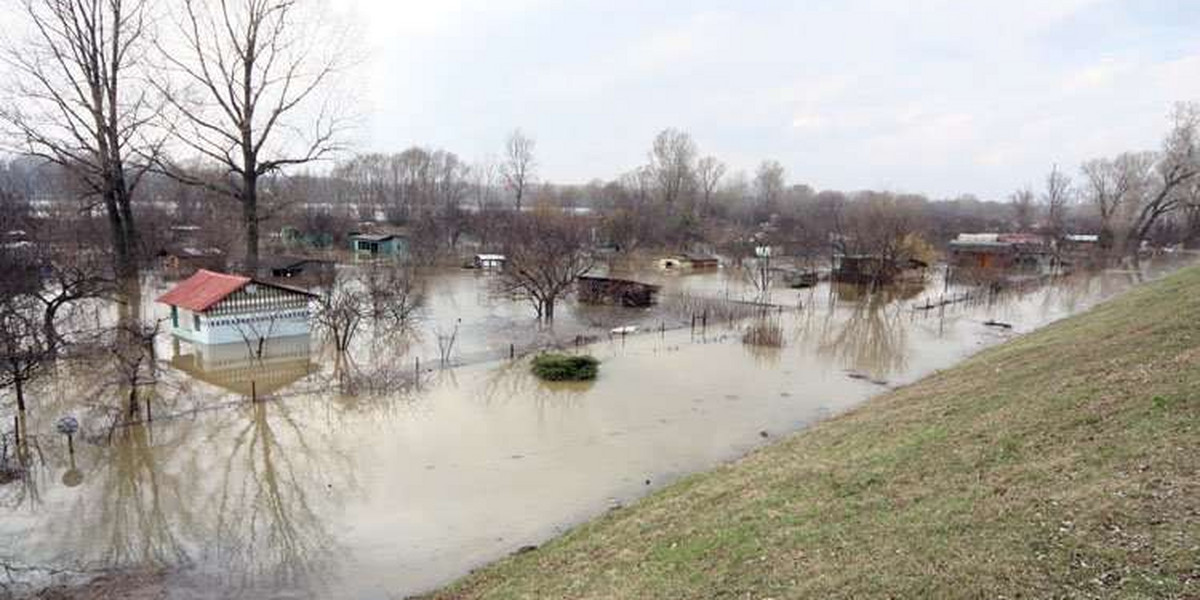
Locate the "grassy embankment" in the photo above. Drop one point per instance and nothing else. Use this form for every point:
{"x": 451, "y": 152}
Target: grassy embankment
{"x": 1062, "y": 464}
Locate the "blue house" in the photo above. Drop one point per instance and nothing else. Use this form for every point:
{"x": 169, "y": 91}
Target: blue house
{"x": 372, "y": 245}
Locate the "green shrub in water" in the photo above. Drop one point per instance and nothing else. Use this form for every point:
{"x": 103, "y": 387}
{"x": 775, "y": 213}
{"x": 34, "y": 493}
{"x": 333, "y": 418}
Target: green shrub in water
{"x": 565, "y": 367}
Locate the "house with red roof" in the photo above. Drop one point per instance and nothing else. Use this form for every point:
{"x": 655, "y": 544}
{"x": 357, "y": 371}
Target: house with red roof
{"x": 219, "y": 308}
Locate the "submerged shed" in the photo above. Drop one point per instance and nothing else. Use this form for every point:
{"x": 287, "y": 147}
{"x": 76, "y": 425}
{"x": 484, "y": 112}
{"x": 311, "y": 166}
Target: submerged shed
{"x": 624, "y": 292}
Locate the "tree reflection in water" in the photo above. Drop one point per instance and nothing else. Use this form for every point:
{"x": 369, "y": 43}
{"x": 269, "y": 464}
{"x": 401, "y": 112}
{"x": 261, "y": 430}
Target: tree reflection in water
{"x": 871, "y": 337}
{"x": 267, "y": 529}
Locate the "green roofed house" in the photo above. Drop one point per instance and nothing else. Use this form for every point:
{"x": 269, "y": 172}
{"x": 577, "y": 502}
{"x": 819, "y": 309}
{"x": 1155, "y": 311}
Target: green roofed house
{"x": 373, "y": 245}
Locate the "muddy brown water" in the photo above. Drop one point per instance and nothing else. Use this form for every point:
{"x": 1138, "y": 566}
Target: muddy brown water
{"x": 382, "y": 491}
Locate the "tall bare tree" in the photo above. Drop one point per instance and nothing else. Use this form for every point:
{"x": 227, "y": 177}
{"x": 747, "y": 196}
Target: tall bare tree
{"x": 709, "y": 171}
{"x": 1057, "y": 198}
{"x": 1111, "y": 185}
{"x": 672, "y": 159}
{"x": 253, "y": 73}
{"x": 80, "y": 104}
{"x": 769, "y": 181}
{"x": 519, "y": 168}
{"x": 1024, "y": 209}
{"x": 1178, "y": 164}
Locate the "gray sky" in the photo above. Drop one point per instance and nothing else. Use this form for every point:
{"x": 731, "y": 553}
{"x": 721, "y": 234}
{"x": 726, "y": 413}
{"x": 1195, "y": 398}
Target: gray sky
{"x": 933, "y": 96}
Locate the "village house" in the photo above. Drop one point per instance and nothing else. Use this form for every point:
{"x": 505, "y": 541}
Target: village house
{"x": 870, "y": 269}
{"x": 689, "y": 261}
{"x": 294, "y": 267}
{"x": 217, "y": 308}
{"x": 488, "y": 261}
{"x": 1000, "y": 251}
{"x": 621, "y": 292}
{"x": 379, "y": 245}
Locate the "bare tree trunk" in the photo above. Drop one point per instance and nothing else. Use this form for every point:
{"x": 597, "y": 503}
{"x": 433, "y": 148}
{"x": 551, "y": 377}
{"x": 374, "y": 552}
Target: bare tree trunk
{"x": 20, "y": 388}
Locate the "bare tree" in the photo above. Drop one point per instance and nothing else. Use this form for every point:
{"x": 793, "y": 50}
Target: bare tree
{"x": 340, "y": 312}
{"x": 769, "y": 181}
{"x": 672, "y": 161}
{"x": 1111, "y": 185}
{"x": 1177, "y": 165}
{"x": 134, "y": 361}
{"x": 395, "y": 295}
{"x": 519, "y": 167}
{"x": 79, "y": 103}
{"x": 24, "y": 350}
{"x": 253, "y": 71}
{"x": 709, "y": 172}
{"x": 1024, "y": 210}
{"x": 1057, "y": 198}
{"x": 546, "y": 252}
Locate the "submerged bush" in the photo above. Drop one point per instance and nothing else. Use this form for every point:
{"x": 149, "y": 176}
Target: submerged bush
{"x": 565, "y": 367}
{"x": 764, "y": 333}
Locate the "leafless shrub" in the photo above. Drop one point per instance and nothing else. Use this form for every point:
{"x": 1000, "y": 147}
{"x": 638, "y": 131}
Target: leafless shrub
{"x": 340, "y": 311}
{"x": 764, "y": 332}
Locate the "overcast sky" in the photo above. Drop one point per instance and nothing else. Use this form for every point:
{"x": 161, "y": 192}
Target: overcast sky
{"x": 934, "y": 96}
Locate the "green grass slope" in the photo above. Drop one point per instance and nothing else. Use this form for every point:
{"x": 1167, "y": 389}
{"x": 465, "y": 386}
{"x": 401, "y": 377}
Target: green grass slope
{"x": 1062, "y": 464}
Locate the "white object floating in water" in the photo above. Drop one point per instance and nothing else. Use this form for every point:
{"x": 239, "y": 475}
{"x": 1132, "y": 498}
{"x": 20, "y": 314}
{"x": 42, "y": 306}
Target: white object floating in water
{"x": 624, "y": 330}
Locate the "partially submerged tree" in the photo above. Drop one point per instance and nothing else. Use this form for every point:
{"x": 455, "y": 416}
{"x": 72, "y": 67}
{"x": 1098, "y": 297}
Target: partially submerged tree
{"x": 395, "y": 296}
{"x": 24, "y": 350}
{"x": 341, "y": 309}
{"x": 254, "y": 72}
{"x": 546, "y": 252}
{"x": 80, "y": 103}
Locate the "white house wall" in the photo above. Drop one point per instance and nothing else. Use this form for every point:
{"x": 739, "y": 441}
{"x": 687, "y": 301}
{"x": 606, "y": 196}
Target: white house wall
{"x": 240, "y": 328}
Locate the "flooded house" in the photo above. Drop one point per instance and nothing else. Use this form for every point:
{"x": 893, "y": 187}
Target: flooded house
{"x": 987, "y": 251}
{"x": 182, "y": 261}
{"x": 688, "y": 261}
{"x": 219, "y": 308}
{"x": 488, "y": 261}
{"x": 866, "y": 268}
{"x": 293, "y": 267}
{"x": 379, "y": 245}
{"x": 621, "y": 292}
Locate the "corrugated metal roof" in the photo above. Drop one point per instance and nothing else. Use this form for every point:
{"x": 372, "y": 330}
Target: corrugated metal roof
{"x": 202, "y": 290}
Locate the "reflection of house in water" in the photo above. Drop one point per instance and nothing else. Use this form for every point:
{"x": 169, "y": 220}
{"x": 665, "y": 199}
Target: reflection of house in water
{"x": 216, "y": 308}
{"x": 987, "y": 251}
{"x": 863, "y": 269}
{"x": 233, "y": 367}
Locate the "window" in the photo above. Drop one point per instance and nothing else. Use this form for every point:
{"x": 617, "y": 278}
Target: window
{"x": 174, "y": 316}
{"x": 196, "y": 322}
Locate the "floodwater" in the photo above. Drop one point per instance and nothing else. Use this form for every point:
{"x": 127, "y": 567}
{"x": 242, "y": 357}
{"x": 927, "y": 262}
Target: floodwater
{"x": 348, "y": 483}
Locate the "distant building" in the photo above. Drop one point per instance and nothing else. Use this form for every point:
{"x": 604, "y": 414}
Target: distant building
{"x": 376, "y": 245}
{"x": 182, "y": 261}
{"x": 488, "y": 261}
{"x": 623, "y": 292}
{"x": 870, "y": 269}
{"x": 1000, "y": 251}
{"x": 284, "y": 267}
{"x": 689, "y": 261}
{"x": 217, "y": 308}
